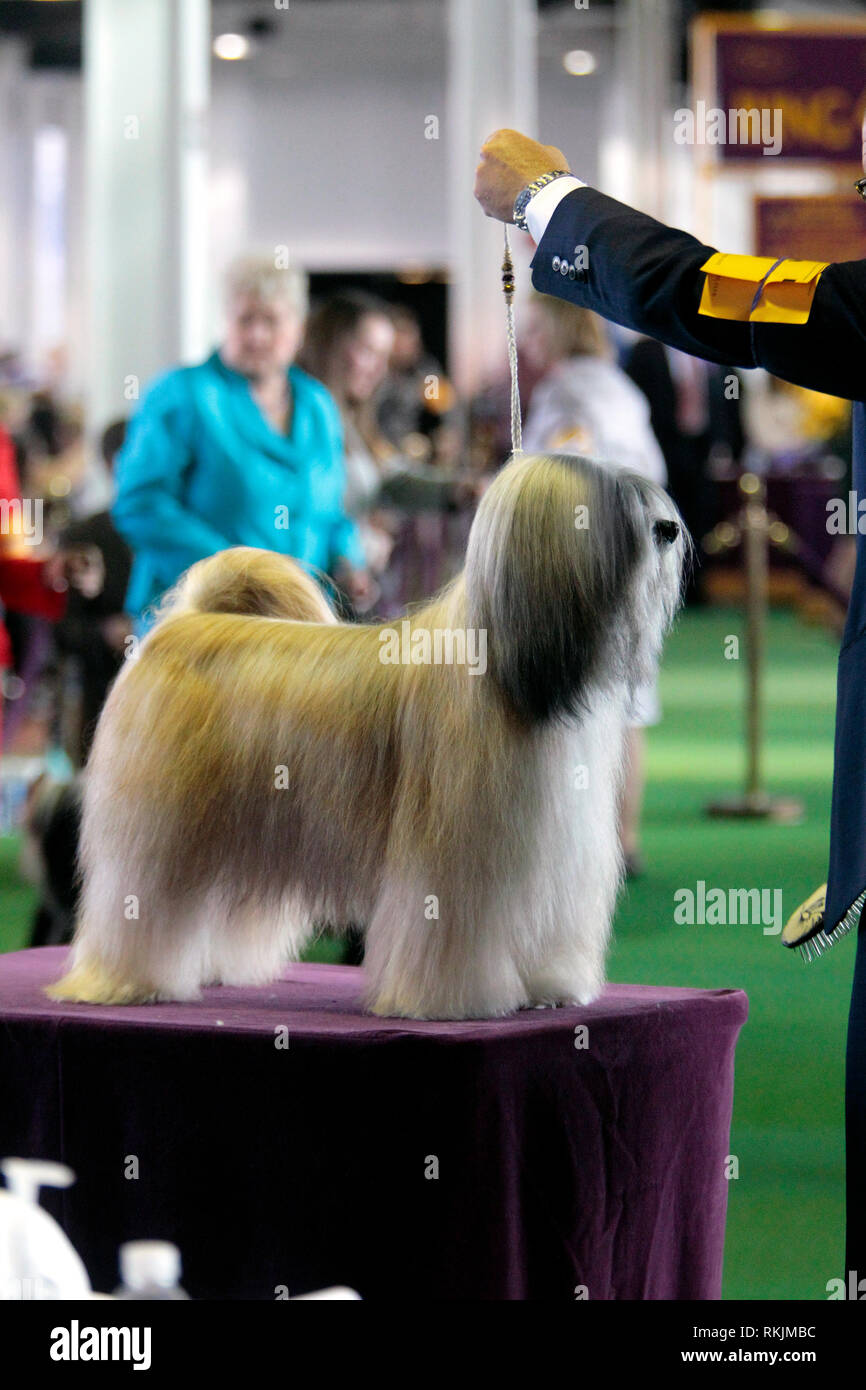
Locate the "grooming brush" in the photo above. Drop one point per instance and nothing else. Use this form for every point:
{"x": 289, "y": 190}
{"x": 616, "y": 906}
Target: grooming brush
{"x": 805, "y": 929}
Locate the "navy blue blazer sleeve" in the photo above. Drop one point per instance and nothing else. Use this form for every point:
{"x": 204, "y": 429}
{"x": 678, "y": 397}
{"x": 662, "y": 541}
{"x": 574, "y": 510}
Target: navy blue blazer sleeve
{"x": 646, "y": 276}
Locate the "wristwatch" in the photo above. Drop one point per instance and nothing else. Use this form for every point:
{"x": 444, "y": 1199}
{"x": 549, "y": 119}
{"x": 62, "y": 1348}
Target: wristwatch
{"x": 521, "y": 202}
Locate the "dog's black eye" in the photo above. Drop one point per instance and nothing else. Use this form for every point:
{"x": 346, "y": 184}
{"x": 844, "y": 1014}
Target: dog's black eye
{"x": 665, "y": 532}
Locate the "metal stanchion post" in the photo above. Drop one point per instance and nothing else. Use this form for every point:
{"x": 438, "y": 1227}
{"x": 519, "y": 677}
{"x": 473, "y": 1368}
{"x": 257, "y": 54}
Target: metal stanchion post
{"x": 753, "y": 529}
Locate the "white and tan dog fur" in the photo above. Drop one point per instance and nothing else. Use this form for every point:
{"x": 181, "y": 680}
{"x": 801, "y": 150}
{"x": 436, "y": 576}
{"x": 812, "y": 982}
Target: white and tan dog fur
{"x": 258, "y": 769}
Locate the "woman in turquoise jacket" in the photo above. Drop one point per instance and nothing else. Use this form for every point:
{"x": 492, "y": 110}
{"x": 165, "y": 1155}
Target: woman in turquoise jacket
{"x": 242, "y": 449}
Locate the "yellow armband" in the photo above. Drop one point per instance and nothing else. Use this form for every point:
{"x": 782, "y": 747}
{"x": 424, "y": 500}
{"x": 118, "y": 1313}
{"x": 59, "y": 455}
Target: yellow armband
{"x": 758, "y": 289}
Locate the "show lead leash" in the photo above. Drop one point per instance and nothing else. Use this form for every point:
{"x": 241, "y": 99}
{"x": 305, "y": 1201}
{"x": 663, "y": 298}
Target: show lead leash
{"x": 508, "y": 291}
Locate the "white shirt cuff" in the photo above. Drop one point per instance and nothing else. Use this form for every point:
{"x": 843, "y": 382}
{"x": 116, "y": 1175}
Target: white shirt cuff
{"x": 542, "y": 206}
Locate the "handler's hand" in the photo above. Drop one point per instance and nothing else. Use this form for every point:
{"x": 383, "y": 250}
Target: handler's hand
{"x": 509, "y": 161}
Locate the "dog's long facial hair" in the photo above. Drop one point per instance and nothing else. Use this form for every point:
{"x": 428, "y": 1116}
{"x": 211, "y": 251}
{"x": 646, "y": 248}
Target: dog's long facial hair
{"x": 259, "y": 769}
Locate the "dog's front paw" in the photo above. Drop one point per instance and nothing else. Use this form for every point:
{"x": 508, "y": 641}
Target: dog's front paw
{"x": 553, "y": 992}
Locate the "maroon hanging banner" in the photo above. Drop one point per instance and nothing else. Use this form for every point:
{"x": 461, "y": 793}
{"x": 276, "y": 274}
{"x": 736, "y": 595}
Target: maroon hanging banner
{"x": 829, "y": 227}
{"x": 778, "y": 88}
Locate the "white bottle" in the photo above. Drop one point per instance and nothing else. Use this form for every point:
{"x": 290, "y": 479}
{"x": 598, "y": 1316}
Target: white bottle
{"x": 150, "y": 1269}
{"x": 37, "y": 1259}
{"x": 338, "y": 1293}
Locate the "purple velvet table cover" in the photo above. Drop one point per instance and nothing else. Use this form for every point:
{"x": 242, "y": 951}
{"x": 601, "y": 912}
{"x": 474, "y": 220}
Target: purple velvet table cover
{"x": 559, "y": 1166}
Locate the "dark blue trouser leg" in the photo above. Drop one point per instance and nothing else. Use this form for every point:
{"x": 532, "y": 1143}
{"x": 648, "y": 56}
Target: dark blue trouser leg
{"x": 855, "y": 1118}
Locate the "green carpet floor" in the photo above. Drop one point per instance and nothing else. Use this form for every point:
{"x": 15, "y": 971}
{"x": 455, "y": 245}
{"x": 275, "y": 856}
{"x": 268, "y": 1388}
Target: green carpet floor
{"x": 786, "y": 1212}
{"x": 785, "y": 1235}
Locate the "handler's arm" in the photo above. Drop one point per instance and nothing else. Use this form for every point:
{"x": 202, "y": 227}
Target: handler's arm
{"x": 647, "y": 277}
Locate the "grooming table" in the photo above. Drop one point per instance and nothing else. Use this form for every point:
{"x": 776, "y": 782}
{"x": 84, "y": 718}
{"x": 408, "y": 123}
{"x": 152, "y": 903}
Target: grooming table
{"x": 488, "y": 1160}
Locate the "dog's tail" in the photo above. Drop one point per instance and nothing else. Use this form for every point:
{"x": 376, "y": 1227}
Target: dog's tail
{"x": 260, "y": 583}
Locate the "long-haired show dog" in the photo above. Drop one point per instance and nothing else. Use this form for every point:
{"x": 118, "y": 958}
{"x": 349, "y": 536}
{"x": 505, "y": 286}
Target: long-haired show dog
{"x": 450, "y": 783}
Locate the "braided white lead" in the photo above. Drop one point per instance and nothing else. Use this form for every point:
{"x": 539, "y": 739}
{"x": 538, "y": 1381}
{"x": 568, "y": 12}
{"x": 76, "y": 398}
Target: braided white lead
{"x": 508, "y": 290}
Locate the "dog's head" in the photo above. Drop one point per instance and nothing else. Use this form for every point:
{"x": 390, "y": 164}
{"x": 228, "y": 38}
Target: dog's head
{"x": 575, "y": 570}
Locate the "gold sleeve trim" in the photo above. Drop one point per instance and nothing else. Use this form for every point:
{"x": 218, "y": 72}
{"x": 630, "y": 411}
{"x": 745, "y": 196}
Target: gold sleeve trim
{"x": 757, "y": 289}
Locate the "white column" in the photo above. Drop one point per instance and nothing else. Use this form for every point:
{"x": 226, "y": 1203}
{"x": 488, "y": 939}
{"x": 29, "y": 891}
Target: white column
{"x": 492, "y": 82}
{"x": 146, "y": 92}
{"x": 634, "y": 155}
{"x": 76, "y": 375}
{"x": 14, "y": 181}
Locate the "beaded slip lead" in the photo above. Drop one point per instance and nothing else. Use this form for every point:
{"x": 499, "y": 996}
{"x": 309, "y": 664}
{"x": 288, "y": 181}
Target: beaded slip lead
{"x": 508, "y": 291}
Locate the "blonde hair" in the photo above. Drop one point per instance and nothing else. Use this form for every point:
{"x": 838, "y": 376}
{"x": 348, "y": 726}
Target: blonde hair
{"x": 260, "y": 276}
{"x": 576, "y": 332}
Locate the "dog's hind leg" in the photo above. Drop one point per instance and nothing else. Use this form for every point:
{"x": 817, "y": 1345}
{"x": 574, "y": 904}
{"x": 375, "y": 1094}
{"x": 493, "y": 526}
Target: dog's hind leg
{"x": 132, "y": 947}
{"x": 90, "y": 980}
{"x": 95, "y": 976}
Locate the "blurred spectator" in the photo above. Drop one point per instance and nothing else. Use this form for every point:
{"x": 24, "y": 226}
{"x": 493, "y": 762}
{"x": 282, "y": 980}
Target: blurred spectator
{"x": 28, "y": 584}
{"x": 48, "y": 855}
{"x": 12, "y": 370}
{"x": 415, "y": 401}
{"x": 585, "y": 404}
{"x": 46, "y": 423}
{"x": 348, "y": 345}
{"x": 790, "y": 427}
{"x": 694, "y": 409}
{"x": 94, "y": 630}
{"x": 242, "y": 449}
{"x": 56, "y": 464}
